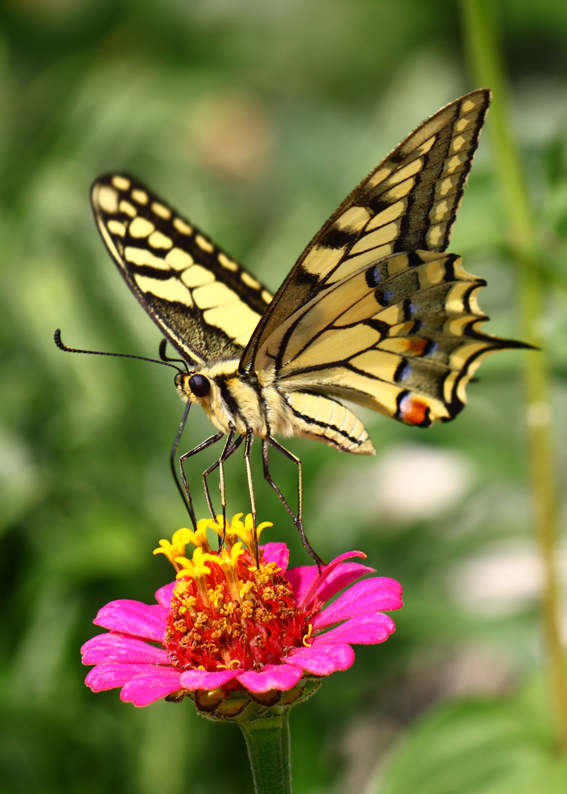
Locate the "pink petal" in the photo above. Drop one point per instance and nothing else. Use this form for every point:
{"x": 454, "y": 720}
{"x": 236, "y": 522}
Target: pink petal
{"x": 109, "y": 676}
{"x": 301, "y": 579}
{"x": 322, "y": 660}
{"x": 118, "y": 648}
{"x": 133, "y": 617}
{"x": 278, "y": 553}
{"x": 333, "y": 577}
{"x": 341, "y": 577}
{"x": 145, "y": 689}
{"x": 365, "y": 629}
{"x": 371, "y": 595}
{"x": 273, "y": 676}
{"x": 163, "y": 595}
{"x": 201, "y": 679}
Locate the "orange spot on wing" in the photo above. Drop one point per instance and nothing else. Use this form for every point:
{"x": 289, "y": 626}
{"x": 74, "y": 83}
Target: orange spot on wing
{"x": 413, "y": 411}
{"x": 417, "y": 346}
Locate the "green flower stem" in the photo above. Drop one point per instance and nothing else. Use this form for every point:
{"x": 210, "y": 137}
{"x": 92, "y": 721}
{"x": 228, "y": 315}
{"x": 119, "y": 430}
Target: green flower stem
{"x": 268, "y": 746}
{"x": 485, "y": 56}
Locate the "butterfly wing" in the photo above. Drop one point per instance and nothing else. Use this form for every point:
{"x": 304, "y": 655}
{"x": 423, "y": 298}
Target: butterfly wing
{"x": 402, "y": 337}
{"x": 203, "y": 302}
{"x": 406, "y": 203}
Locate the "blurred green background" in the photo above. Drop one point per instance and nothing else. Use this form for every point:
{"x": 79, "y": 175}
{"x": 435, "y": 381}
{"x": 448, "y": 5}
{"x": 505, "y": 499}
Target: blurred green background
{"x": 255, "y": 119}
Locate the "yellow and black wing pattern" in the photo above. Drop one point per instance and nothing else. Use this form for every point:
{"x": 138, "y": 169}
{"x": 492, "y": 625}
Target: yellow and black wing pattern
{"x": 401, "y": 336}
{"x": 373, "y": 311}
{"x": 205, "y": 303}
{"x": 408, "y": 202}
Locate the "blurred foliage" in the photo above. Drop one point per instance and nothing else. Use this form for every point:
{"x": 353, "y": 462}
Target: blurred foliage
{"x": 255, "y": 119}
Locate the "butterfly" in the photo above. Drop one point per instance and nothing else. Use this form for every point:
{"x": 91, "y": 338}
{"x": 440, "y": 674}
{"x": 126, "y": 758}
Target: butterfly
{"x": 373, "y": 312}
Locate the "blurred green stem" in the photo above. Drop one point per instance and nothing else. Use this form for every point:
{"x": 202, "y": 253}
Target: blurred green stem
{"x": 486, "y": 60}
{"x": 268, "y": 746}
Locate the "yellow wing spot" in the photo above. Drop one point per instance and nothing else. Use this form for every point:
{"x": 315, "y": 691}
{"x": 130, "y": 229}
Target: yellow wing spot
{"x": 463, "y": 123}
{"x": 116, "y": 228}
{"x": 107, "y": 199}
{"x": 266, "y": 296}
{"x": 435, "y": 234}
{"x": 446, "y": 186}
{"x": 391, "y": 316}
{"x": 404, "y": 173}
{"x": 378, "y": 363}
{"x": 425, "y": 147}
{"x": 140, "y": 227}
{"x": 141, "y": 256}
{"x": 457, "y": 326}
{"x": 434, "y": 273}
{"x": 388, "y": 215}
{"x": 320, "y": 260}
{"x": 439, "y": 211}
{"x": 121, "y": 182}
{"x": 380, "y": 175}
{"x": 457, "y": 143}
{"x": 213, "y": 295}
{"x": 235, "y": 324}
{"x": 249, "y": 280}
{"x": 170, "y": 290}
{"x": 468, "y": 105}
{"x": 400, "y": 191}
{"x": 197, "y": 276}
{"x": 331, "y": 346}
{"x": 159, "y": 240}
{"x": 182, "y": 227}
{"x": 353, "y": 219}
{"x": 159, "y": 209}
{"x": 127, "y": 208}
{"x": 203, "y": 243}
{"x": 454, "y": 162}
{"x": 140, "y": 196}
{"x": 179, "y": 259}
{"x": 227, "y": 263}
{"x": 383, "y": 235}
{"x": 454, "y": 300}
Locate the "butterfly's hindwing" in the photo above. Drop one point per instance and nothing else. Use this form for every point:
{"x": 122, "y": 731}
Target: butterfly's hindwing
{"x": 402, "y": 337}
{"x": 203, "y": 301}
{"x": 407, "y": 202}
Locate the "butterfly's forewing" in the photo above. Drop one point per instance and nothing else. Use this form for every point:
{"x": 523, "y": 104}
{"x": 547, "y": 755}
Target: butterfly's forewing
{"x": 402, "y": 337}
{"x": 408, "y": 202}
{"x": 205, "y": 303}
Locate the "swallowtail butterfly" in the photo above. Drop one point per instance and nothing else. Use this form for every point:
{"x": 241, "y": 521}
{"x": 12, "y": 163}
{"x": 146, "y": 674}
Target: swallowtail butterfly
{"x": 373, "y": 312}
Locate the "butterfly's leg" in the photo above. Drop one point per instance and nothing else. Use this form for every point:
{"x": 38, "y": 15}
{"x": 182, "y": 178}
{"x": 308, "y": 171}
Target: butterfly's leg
{"x": 230, "y": 447}
{"x": 297, "y": 519}
{"x": 247, "y": 448}
{"x": 184, "y": 487}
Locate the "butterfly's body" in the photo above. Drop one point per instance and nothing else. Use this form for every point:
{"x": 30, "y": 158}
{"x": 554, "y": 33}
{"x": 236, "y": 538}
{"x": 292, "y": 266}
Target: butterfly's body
{"x": 242, "y": 403}
{"x": 372, "y": 312}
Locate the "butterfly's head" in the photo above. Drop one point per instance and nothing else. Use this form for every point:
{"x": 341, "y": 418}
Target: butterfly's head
{"x": 193, "y": 386}
{"x": 206, "y": 386}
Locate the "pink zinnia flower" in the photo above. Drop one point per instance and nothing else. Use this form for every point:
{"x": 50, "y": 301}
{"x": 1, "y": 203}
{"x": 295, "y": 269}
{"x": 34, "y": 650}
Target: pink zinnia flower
{"x": 241, "y": 629}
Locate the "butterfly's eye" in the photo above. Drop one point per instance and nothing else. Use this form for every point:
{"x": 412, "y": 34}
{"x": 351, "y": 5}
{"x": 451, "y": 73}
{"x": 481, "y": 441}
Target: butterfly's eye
{"x": 199, "y": 385}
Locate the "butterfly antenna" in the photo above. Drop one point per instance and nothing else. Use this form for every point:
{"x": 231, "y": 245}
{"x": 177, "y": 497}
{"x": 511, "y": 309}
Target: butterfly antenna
{"x": 61, "y": 346}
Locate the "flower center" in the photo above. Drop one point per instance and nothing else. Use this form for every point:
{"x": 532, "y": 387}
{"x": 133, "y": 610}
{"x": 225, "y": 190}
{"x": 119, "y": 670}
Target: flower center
{"x": 230, "y": 609}
{"x": 233, "y": 616}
